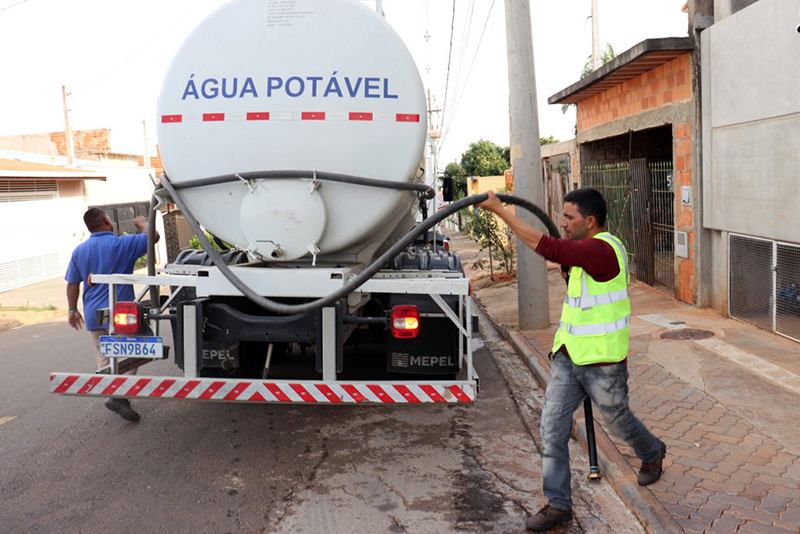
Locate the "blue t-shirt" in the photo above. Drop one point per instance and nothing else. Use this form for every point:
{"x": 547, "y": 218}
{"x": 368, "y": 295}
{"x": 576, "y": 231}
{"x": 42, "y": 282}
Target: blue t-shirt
{"x": 104, "y": 253}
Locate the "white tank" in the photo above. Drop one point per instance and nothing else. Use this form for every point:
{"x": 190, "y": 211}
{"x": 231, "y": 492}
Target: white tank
{"x": 270, "y": 85}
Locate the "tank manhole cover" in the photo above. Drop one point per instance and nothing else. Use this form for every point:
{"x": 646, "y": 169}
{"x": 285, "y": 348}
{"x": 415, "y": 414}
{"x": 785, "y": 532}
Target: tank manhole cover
{"x": 687, "y": 333}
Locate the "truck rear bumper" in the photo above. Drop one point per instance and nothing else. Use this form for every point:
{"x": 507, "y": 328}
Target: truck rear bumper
{"x": 264, "y": 391}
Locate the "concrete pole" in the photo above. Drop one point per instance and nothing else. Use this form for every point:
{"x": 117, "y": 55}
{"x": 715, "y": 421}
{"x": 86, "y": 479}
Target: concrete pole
{"x": 534, "y": 309}
{"x": 146, "y": 146}
{"x": 596, "y": 61}
{"x": 67, "y": 129}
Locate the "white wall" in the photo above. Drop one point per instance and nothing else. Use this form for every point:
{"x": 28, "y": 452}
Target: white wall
{"x": 751, "y": 121}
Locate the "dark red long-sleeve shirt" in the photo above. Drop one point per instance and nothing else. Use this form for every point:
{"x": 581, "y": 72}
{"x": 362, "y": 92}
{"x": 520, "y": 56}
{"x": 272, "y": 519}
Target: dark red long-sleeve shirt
{"x": 595, "y": 256}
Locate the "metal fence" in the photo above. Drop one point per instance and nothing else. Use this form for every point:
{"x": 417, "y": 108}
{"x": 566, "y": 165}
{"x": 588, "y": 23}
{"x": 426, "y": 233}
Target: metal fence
{"x": 662, "y": 216}
{"x": 613, "y": 180}
{"x": 641, "y": 211}
{"x": 764, "y": 283}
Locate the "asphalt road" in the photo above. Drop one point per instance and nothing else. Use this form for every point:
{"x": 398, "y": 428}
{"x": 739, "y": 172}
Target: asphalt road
{"x": 69, "y": 465}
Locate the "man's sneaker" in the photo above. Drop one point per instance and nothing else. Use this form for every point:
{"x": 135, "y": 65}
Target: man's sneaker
{"x": 123, "y": 408}
{"x": 651, "y": 471}
{"x": 547, "y": 518}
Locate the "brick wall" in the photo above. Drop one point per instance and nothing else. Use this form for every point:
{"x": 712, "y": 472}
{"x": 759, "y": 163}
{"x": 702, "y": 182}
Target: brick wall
{"x": 686, "y": 285}
{"x": 667, "y": 83}
{"x": 86, "y": 141}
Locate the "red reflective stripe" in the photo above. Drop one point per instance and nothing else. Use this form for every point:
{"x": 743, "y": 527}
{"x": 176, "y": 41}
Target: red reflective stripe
{"x": 431, "y": 392}
{"x": 64, "y": 386}
{"x": 52, "y": 377}
{"x": 114, "y": 386}
{"x": 382, "y": 395}
{"x": 361, "y": 116}
{"x": 258, "y": 116}
{"x": 328, "y": 392}
{"x": 313, "y": 116}
{"x": 213, "y": 117}
{"x": 89, "y": 386}
{"x": 256, "y": 397}
{"x": 237, "y": 390}
{"x": 305, "y": 395}
{"x": 354, "y": 393}
{"x": 459, "y": 393}
{"x": 171, "y": 118}
{"x": 162, "y": 387}
{"x": 138, "y": 386}
{"x": 406, "y": 393}
{"x": 186, "y": 389}
{"x": 275, "y": 390}
{"x": 403, "y": 117}
{"x": 210, "y": 390}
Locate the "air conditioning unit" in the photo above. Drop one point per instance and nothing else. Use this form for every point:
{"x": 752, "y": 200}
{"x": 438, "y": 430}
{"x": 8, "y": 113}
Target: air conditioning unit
{"x": 682, "y": 244}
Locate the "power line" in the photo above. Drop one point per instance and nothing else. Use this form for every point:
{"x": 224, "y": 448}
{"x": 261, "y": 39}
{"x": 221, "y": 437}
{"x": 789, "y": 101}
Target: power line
{"x": 449, "y": 55}
{"x": 12, "y": 5}
{"x": 463, "y": 49}
{"x": 458, "y": 100}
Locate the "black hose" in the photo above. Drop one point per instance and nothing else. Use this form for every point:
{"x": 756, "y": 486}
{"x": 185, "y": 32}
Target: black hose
{"x": 426, "y": 190}
{"x": 366, "y": 274}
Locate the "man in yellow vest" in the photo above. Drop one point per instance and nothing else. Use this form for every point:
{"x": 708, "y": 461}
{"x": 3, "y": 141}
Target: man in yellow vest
{"x": 590, "y": 347}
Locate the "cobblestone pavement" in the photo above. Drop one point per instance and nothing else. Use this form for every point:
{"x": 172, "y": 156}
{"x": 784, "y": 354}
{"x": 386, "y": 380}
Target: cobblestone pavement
{"x": 732, "y": 461}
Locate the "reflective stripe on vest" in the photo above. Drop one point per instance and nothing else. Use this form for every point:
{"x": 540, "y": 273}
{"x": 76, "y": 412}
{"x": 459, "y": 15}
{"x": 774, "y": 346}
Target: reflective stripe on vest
{"x": 596, "y": 329}
{"x": 587, "y": 301}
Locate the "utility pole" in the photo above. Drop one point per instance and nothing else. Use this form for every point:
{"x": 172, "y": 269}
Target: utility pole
{"x": 67, "y": 129}
{"x": 596, "y": 63}
{"x": 534, "y": 307}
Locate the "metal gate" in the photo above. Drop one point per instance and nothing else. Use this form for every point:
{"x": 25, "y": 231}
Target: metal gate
{"x": 764, "y": 283}
{"x": 641, "y": 211}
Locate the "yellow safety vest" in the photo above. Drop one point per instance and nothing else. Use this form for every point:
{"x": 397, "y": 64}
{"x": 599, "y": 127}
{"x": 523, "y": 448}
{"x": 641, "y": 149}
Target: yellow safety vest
{"x": 596, "y": 316}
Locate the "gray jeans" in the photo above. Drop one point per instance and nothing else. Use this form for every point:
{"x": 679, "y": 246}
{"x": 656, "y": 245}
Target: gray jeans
{"x": 569, "y": 384}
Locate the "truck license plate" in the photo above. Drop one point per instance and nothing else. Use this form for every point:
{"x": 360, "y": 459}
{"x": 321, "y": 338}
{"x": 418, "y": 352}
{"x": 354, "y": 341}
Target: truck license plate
{"x": 132, "y": 347}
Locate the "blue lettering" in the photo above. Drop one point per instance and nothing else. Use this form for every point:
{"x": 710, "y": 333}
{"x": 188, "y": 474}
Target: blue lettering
{"x": 314, "y": 80}
{"x": 299, "y": 81}
{"x": 273, "y": 83}
{"x": 213, "y": 91}
{"x": 350, "y": 89}
{"x": 249, "y": 87}
{"x": 190, "y": 90}
{"x": 333, "y": 86}
{"x": 386, "y": 89}
{"x": 371, "y": 84}
{"x": 233, "y": 92}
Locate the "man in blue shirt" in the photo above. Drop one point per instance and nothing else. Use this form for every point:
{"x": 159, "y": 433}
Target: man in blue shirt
{"x": 103, "y": 253}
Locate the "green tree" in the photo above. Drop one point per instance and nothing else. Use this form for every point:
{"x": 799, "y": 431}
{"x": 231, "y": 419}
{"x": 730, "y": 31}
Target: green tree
{"x": 548, "y": 140}
{"x": 456, "y": 172}
{"x": 483, "y": 158}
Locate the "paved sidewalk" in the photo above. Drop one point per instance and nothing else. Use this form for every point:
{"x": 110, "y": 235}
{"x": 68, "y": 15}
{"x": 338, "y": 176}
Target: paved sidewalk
{"x": 727, "y": 406}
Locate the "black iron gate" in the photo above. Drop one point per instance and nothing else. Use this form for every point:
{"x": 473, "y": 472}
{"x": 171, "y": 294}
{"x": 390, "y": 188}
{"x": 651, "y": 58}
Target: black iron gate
{"x": 641, "y": 212}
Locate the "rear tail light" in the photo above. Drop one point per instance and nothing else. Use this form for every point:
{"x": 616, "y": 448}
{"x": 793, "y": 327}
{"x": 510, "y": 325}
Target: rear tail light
{"x": 446, "y": 246}
{"x": 127, "y": 318}
{"x": 405, "y": 321}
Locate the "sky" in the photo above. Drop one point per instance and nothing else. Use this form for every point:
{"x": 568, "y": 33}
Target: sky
{"x": 113, "y": 54}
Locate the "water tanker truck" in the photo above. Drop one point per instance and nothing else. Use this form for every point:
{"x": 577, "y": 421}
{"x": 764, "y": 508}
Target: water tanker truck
{"x": 294, "y": 133}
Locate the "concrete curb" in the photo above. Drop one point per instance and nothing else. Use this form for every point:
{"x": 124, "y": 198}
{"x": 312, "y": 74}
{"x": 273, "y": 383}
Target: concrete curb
{"x": 648, "y": 510}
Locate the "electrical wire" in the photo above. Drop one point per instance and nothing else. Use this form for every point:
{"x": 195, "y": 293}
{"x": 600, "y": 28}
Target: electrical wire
{"x": 458, "y": 100}
{"x": 449, "y": 57}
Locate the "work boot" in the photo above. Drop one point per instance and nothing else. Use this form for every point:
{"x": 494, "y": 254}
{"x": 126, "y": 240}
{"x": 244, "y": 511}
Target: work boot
{"x": 651, "y": 471}
{"x": 547, "y": 518}
{"x": 123, "y": 408}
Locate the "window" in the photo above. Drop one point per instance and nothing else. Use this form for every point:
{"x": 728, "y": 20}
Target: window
{"x": 27, "y": 190}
